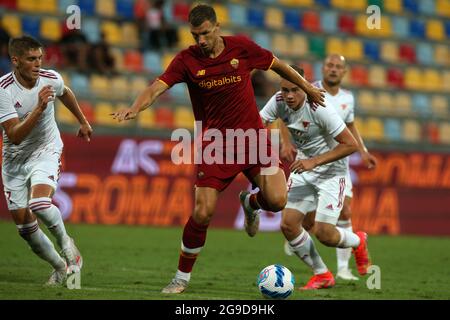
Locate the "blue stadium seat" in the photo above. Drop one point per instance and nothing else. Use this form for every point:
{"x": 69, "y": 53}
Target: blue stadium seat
{"x": 324, "y": 3}
{"x": 328, "y": 21}
{"x": 427, "y": 7}
{"x": 424, "y": 53}
{"x": 87, "y": 7}
{"x": 421, "y": 104}
{"x": 31, "y": 25}
{"x": 255, "y": 17}
{"x": 152, "y": 61}
{"x": 178, "y": 91}
{"x": 238, "y": 14}
{"x": 63, "y": 4}
{"x": 79, "y": 83}
{"x": 167, "y": 10}
{"x": 262, "y": 39}
{"x": 372, "y": 50}
{"x": 447, "y": 28}
{"x": 392, "y": 129}
{"x": 411, "y": 5}
{"x": 292, "y": 19}
{"x": 317, "y": 70}
{"x": 417, "y": 28}
{"x": 91, "y": 29}
{"x": 400, "y": 26}
{"x": 125, "y": 9}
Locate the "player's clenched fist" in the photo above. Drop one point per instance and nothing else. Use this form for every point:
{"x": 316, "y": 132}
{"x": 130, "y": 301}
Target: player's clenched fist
{"x": 124, "y": 114}
{"x": 46, "y": 95}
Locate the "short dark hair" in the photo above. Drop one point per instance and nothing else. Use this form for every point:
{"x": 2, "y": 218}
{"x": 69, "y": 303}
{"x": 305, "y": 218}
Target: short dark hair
{"x": 21, "y": 45}
{"x": 202, "y": 13}
{"x": 298, "y": 69}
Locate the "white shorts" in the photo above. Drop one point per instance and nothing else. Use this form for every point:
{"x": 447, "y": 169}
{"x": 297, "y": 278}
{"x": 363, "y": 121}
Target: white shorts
{"x": 348, "y": 185}
{"x": 17, "y": 183}
{"x": 325, "y": 196}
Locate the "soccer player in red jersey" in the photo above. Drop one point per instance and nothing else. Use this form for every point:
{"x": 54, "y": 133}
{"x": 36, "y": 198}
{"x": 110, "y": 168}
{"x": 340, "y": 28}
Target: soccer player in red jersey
{"x": 217, "y": 73}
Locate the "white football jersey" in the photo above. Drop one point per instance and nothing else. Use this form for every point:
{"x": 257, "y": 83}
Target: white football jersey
{"x": 17, "y": 102}
{"x": 313, "y": 131}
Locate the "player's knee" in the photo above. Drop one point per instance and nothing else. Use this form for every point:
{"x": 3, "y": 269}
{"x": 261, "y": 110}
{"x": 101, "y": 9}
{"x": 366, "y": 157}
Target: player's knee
{"x": 203, "y": 213}
{"x": 287, "y": 228}
{"x": 346, "y": 213}
{"x": 277, "y": 202}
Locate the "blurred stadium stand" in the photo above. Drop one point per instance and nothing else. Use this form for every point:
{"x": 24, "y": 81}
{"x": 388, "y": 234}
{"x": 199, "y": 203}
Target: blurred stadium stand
{"x": 400, "y": 74}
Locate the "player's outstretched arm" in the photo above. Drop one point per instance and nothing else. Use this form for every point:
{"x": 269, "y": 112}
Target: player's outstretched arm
{"x": 17, "y": 130}
{"x": 347, "y": 145}
{"x": 142, "y": 102}
{"x": 315, "y": 95}
{"x": 368, "y": 159}
{"x": 70, "y": 101}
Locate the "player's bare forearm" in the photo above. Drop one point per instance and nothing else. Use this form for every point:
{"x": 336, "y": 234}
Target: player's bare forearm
{"x": 17, "y": 130}
{"x": 148, "y": 96}
{"x": 70, "y": 101}
{"x": 347, "y": 145}
{"x": 285, "y": 135}
{"x": 361, "y": 146}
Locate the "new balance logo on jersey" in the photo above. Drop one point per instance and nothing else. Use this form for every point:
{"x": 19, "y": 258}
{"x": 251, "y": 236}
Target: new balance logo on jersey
{"x": 17, "y": 105}
{"x": 330, "y": 206}
{"x": 201, "y": 72}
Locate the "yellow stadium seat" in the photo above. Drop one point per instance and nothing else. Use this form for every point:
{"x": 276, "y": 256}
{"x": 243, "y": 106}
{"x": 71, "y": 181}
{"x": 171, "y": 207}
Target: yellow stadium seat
{"x": 335, "y": 45}
{"x": 120, "y": 88}
{"x": 361, "y": 26}
{"x": 432, "y": 80}
{"x": 130, "y": 34}
{"x": 374, "y": 129}
{"x": 138, "y": 84}
{"x": 167, "y": 59}
{"x": 63, "y": 115}
{"x": 385, "y": 102}
{"x": 146, "y": 119}
{"x": 389, "y": 51}
{"x": 446, "y": 81}
{"x": 299, "y": 3}
{"x": 349, "y": 5}
{"x": 118, "y": 58}
{"x": 413, "y": 79}
{"x": 28, "y": 5}
{"x": 340, "y": 4}
{"x": 100, "y": 85}
{"x": 184, "y": 118}
{"x": 435, "y": 30}
{"x": 49, "y": 6}
{"x": 366, "y": 100}
{"x": 274, "y": 18}
{"x": 443, "y": 8}
{"x": 12, "y": 24}
{"x": 222, "y": 13}
{"x": 113, "y": 34}
{"x": 185, "y": 37}
{"x": 280, "y": 44}
{"x": 106, "y": 8}
{"x": 402, "y": 103}
{"x": 444, "y": 132}
{"x": 411, "y": 131}
{"x": 359, "y": 124}
{"x": 65, "y": 77}
{"x": 299, "y": 45}
{"x": 393, "y": 6}
{"x": 354, "y": 49}
{"x": 50, "y": 28}
{"x": 386, "y": 27}
{"x": 377, "y": 76}
{"x": 439, "y": 105}
{"x": 442, "y": 54}
{"x": 102, "y": 114}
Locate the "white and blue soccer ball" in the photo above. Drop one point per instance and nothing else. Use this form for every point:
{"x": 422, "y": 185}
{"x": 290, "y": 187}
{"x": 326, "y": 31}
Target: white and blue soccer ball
{"x": 276, "y": 282}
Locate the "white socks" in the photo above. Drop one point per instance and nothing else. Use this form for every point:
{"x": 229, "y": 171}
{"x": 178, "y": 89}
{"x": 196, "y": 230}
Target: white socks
{"x": 41, "y": 244}
{"x": 344, "y": 254}
{"x": 183, "y": 275}
{"x": 348, "y": 239}
{"x": 303, "y": 246}
{"x": 51, "y": 216}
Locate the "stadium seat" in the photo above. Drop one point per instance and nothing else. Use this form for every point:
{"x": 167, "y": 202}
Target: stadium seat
{"x": 412, "y": 131}
{"x": 386, "y": 30}
{"x": 392, "y": 130}
{"x": 164, "y": 117}
{"x": 446, "y": 81}
{"x": 323, "y": 3}
{"x": 425, "y": 54}
{"x": 360, "y": 124}
{"x": 366, "y": 100}
{"x": 346, "y": 23}
{"x": 389, "y": 51}
{"x": 297, "y": 3}
{"x": 178, "y": 91}
{"x": 132, "y": 60}
{"x": 91, "y": 29}
{"x": 447, "y": 28}
{"x": 238, "y": 14}
{"x": 413, "y": 79}
{"x": 138, "y": 84}
{"x": 421, "y": 104}
{"x": 118, "y": 59}
{"x": 379, "y": 3}
{"x": 372, "y": 50}
{"x": 377, "y": 76}
{"x": 439, "y": 105}
{"x": 120, "y": 88}
{"x": 180, "y": 11}
{"x": 385, "y": 102}
{"x": 432, "y": 133}
{"x": 299, "y": 45}
{"x": 27, "y": 5}
{"x": 407, "y": 53}
{"x": 402, "y": 103}
{"x": 88, "y": 111}
{"x": 317, "y": 70}
{"x": 443, "y": 8}
{"x": 311, "y": 21}
{"x": 393, "y": 6}
{"x": 335, "y": 45}
{"x": 80, "y": 83}
{"x": 400, "y": 26}
{"x": 87, "y": 7}
{"x": 146, "y": 119}
{"x": 374, "y": 129}
{"x": 112, "y": 31}
{"x": 292, "y": 19}
{"x": 281, "y": 44}
{"x": 130, "y": 34}
{"x": 255, "y": 17}
{"x": 51, "y": 29}
{"x": 435, "y": 30}
{"x": 417, "y": 28}
{"x": 185, "y": 38}
{"x": 308, "y": 69}
{"x": 47, "y": 6}
{"x": 63, "y": 115}
{"x": 31, "y": 26}
{"x": 359, "y": 75}
{"x": 354, "y": 49}
{"x": 9, "y": 4}
{"x": 100, "y": 85}
{"x": 432, "y": 80}
{"x": 184, "y": 118}
{"x": 361, "y": 26}
{"x": 329, "y": 21}
{"x": 444, "y": 132}
{"x": 263, "y": 39}
{"x": 317, "y": 46}
{"x": 167, "y": 59}
{"x": 426, "y": 7}
{"x": 273, "y": 18}
{"x": 152, "y": 62}
{"x": 124, "y": 8}
{"x": 411, "y": 6}
{"x": 222, "y": 14}
{"x": 102, "y": 113}
{"x": 395, "y": 77}
{"x": 12, "y": 24}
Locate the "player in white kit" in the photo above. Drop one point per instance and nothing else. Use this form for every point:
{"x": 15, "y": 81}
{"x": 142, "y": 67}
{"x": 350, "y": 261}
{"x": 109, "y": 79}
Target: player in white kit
{"x": 317, "y": 181}
{"x": 32, "y": 147}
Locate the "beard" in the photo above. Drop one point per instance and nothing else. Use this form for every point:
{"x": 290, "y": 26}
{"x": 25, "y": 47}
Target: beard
{"x": 332, "y": 83}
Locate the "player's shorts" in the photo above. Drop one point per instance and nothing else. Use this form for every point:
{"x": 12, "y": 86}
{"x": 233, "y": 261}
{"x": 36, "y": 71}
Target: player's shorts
{"x": 325, "y": 196}
{"x": 348, "y": 185}
{"x": 17, "y": 183}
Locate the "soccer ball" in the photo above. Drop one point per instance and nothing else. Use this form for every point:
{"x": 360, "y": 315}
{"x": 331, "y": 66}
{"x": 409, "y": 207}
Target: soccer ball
{"x": 276, "y": 282}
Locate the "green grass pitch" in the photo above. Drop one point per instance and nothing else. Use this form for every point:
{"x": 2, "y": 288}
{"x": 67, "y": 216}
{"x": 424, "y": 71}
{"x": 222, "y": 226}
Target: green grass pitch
{"x": 124, "y": 262}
